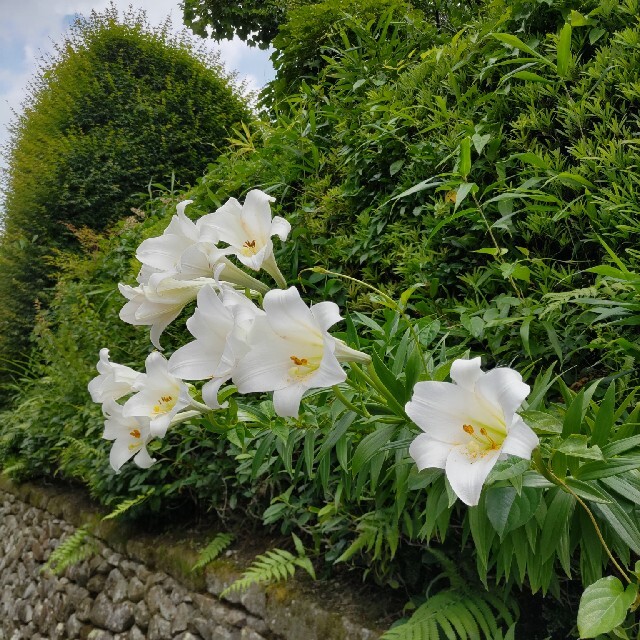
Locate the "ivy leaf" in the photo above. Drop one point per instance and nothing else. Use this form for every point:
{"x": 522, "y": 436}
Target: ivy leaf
{"x": 604, "y": 606}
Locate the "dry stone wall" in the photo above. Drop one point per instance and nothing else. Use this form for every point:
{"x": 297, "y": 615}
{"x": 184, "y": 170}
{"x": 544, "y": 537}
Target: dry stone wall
{"x": 135, "y": 588}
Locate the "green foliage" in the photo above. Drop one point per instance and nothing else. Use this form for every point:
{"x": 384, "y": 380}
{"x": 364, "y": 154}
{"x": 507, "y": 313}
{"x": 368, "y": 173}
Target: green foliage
{"x": 483, "y": 180}
{"x": 454, "y": 614}
{"x": 604, "y": 606}
{"x": 118, "y": 108}
{"x": 219, "y": 543}
{"x": 126, "y": 505}
{"x": 256, "y": 22}
{"x": 275, "y": 565}
{"x": 74, "y": 549}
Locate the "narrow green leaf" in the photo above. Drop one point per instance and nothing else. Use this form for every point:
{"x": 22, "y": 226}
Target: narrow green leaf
{"x": 516, "y": 43}
{"x": 507, "y": 510}
{"x": 370, "y": 445}
{"x": 612, "y": 467}
{"x": 564, "y": 50}
{"x": 555, "y": 523}
{"x": 587, "y": 490}
{"x": 464, "y": 166}
{"x": 604, "y": 418}
{"x": 529, "y": 76}
{"x": 337, "y": 431}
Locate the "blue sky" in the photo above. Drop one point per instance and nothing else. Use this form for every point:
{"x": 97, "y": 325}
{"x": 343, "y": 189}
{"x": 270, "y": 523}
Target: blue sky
{"x": 28, "y": 29}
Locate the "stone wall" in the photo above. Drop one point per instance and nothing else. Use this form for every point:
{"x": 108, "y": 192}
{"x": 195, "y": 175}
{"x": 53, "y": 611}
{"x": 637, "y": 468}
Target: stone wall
{"x": 139, "y": 586}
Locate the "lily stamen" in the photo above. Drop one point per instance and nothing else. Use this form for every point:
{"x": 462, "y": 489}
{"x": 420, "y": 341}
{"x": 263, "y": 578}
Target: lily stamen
{"x": 484, "y": 438}
{"x": 135, "y": 433}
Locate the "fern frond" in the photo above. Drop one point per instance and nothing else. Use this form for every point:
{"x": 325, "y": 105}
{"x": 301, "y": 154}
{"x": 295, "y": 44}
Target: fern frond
{"x": 213, "y": 550}
{"x": 273, "y": 566}
{"x": 73, "y": 550}
{"x": 77, "y": 448}
{"x": 128, "y": 504}
{"x": 455, "y": 615}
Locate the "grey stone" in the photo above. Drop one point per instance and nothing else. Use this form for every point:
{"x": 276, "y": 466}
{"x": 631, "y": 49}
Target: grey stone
{"x": 210, "y": 608}
{"x": 114, "y": 617}
{"x": 73, "y": 626}
{"x": 250, "y": 634}
{"x": 116, "y": 586}
{"x": 257, "y": 624}
{"x": 79, "y": 573}
{"x": 159, "y": 602}
{"x": 201, "y": 626}
{"x": 96, "y": 583}
{"x": 83, "y": 609}
{"x": 159, "y": 629}
{"x": 254, "y": 600}
{"x": 58, "y": 632}
{"x": 180, "y": 620}
{"x": 154, "y": 578}
{"x": 235, "y": 617}
{"x": 187, "y": 635}
{"x": 216, "y": 584}
{"x": 99, "y": 634}
{"x": 135, "y": 589}
{"x": 141, "y": 615}
{"x": 136, "y": 634}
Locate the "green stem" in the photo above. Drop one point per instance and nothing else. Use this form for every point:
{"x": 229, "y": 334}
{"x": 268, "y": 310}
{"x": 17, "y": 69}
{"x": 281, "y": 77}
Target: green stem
{"x": 556, "y": 480}
{"x": 378, "y": 385}
{"x": 347, "y": 403}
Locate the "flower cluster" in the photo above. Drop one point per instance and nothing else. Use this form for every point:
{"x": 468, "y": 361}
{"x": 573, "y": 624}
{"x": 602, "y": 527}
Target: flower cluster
{"x": 284, "y": 347}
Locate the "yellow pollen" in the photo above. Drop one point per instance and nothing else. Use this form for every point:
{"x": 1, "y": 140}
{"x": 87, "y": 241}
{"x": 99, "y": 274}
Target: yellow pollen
{"x": 301, "y": 362}
{"x": 468, "y": 428}
{"x": 166, "y": 403}
{"x": 249, "y": 248}
{"x": 135, "y": 433}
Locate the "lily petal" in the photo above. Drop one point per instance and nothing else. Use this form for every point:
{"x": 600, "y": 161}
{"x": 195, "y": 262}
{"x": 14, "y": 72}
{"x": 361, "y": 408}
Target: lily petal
{"x": 286, "y": 401}
{"x": 280, "y": 227}
{"x": 520, "y": 440}
{"x": 503, "y": 388}
{"x": 143, "y": 459}
{"x": 428, "y": 452}
{"x": 290, "y": 317}
{"x": 326, "y": 314}
{"x": 467, "y": 476}
{"x": 465, "y": 373}
{"x": 441, "y": 409}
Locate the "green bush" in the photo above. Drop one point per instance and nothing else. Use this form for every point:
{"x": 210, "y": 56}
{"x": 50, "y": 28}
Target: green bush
{"x": 119, "y": 107}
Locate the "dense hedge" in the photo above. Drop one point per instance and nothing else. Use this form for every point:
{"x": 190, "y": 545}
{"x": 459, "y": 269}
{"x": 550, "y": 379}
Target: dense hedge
{"x": 486, "y": 165}
{"x": 119, "y": 107}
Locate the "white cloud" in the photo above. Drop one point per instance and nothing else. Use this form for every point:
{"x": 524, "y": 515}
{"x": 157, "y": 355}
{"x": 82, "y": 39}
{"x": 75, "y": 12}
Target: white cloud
{"x": 30, "y": 27}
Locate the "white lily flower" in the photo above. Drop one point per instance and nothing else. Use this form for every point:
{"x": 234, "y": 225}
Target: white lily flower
{"x": 470, "y": 424}
{"x": 292, "y": 351}
{"x": 163, "y": 252}
{"x": 114, "y": 382}
{"x": 187, "y": 251}
{"x": 248, "y": 230}
{"x": 220, "y": 325}
{"x": 158, "y": 305}
{"x": 159, "y": 396}
{"x": 131, "y": 436}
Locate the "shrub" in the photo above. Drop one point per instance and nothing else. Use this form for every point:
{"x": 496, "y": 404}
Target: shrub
{"x": 118, "y": 107}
